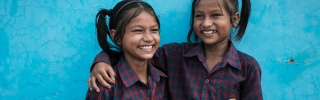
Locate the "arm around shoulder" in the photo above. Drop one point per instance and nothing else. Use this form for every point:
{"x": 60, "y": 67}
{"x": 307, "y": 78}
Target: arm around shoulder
{"x": 164, "y": 53}
{"x": 101, "y": 57}
{"x": 102, "y": 71}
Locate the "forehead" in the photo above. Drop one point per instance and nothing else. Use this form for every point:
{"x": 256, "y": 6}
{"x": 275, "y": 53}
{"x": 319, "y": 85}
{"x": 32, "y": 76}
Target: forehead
{"x": 143, "y": 18}
{"x": 208, "y": 5}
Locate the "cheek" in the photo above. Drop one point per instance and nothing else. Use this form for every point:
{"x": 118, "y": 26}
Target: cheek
{"x": 129, "y": 39}
{"x": 156, "y": 38}
{"x": 196, "y": 25}
{"x": 226, "y": 23}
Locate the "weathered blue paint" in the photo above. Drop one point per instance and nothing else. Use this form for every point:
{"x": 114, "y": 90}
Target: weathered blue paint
{"x": 47, "y": 46}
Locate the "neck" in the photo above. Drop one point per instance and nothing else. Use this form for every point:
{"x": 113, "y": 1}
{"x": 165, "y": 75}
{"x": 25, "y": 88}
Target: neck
{"x": 216, "y": 50}
{"x": 214, "y": 53}
{"x": 139, "y": 67}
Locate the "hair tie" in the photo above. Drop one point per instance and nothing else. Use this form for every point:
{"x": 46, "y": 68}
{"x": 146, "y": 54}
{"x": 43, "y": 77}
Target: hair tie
{"x": 108, "y": 12}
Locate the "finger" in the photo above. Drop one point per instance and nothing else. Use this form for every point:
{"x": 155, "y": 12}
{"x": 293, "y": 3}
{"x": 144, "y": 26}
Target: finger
{"x": 89, "y": 83}
{"x": 106, "y": 77}
{"x": 100, "y": 70}
{"x": 94, "y": 84}
{"x": 103, "y": 82}
{"x": 111, "y": 73}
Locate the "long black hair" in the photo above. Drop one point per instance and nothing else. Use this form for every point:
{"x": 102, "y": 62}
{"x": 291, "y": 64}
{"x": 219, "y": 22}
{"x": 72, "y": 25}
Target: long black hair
{"x": 120, "y": 16}
{"x": 232, "y": 7}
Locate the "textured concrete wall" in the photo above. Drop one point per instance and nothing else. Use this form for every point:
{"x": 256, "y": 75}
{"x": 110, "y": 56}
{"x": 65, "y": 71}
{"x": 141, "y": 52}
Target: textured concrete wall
{"x": 47, "y": 46}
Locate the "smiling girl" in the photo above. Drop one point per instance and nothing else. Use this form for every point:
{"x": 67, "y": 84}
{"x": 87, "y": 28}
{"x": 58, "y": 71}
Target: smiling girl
{"x": 134, "y": 28}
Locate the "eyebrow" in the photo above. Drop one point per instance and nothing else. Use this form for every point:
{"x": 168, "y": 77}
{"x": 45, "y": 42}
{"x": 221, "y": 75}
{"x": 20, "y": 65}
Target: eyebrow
{"x": 156, "y": 25}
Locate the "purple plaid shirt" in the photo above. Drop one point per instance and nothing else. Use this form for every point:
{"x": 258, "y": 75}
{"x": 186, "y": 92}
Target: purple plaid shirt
{"x": 237, "y": 76}
{"x": 129, "y": 87}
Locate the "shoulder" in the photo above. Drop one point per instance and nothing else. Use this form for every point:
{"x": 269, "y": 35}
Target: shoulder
{"x": 247, "y": 61}
{"x": 104, "y": 93}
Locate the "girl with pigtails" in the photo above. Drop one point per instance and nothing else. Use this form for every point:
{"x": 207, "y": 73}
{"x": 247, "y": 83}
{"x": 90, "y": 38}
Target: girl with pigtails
{"x": 134, "y": 28}
{"x": 210, "y": 68}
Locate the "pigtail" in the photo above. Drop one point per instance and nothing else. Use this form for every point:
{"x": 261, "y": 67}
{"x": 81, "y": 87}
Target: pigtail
{"x": 244, "y": 19}
{"x": 103, "y": 31}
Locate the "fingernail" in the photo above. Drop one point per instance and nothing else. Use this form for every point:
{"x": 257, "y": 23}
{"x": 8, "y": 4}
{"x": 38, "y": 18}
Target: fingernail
{"x": 90, "y": 89}
{"x": 98, "y": 90}
{"x": 113, "y": 80}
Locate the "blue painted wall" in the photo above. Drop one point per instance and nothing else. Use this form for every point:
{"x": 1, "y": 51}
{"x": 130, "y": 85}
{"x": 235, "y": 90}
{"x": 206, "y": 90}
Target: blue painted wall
{"x": 47, "y": 46}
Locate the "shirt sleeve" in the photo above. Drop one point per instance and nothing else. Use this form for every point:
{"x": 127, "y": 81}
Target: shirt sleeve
{"x": 159, "y": 60}
{"x": 251, "y": 89}
{"x": 163, "y": 54}
{"x": 101, "y": 57}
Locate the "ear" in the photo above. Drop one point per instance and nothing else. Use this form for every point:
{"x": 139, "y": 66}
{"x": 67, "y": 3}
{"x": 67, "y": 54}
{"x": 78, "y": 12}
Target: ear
{"x": 235, "y": 19}
{"x": 112, "y": 34}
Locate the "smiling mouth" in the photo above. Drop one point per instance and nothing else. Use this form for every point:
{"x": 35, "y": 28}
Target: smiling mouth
{"x": 209, "y": 32}
{"x": 146, "y": 47}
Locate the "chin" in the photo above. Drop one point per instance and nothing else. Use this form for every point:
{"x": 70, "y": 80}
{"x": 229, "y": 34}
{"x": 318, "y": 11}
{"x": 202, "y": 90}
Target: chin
{"x": 146, "y": 56}
{"x": 209, "y": 41}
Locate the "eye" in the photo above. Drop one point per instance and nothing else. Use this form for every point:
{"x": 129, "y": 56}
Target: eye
{"x": 198, "y": 16}
{"x": 137, "y": 30}
{"x": 155, "y": 30}
{"x": 216, "y": 15}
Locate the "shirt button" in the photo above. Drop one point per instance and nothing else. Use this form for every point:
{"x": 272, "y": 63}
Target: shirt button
{"x": 207, "y": 80}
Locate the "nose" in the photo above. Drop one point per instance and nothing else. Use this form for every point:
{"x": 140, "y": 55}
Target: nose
{"x": 206, "y": 22}
{"x": 147, "y": 36}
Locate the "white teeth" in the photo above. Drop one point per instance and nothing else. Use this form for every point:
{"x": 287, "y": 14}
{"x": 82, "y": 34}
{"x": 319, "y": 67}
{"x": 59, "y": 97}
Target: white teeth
{"x": 146, "y": 47}
{"x": 209, "y": 32}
